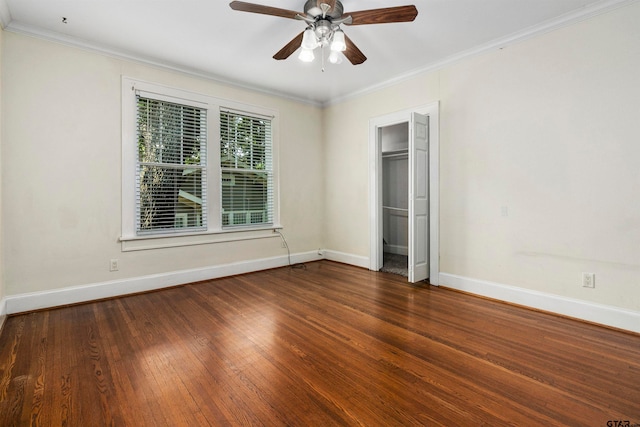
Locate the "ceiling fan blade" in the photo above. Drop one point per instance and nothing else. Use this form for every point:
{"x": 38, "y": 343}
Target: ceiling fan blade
{"x": 289, "y": 48}
{"x": 353, "y": 54}
{"x": 384, "y": 15}
{"x": 265, "y": 10}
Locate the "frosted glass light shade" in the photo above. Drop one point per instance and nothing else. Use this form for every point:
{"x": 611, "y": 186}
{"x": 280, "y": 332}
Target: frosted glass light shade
{"x": 338, "y": 44}
{"x": 335, "y": 57}
{"x": 306, "y": 55}
{"x": 309, "y": 40}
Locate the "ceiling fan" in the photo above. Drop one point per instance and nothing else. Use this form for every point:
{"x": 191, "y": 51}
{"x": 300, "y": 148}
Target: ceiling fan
{"x": 323, "y": 19}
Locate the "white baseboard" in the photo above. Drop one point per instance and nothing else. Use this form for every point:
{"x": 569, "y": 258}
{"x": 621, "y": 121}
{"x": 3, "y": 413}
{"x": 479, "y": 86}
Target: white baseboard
{"x": 305, "y": 257}
{"x": 3, "y": 312}
{"x": 357, "y": 260}
{"x": 95, "y": 291}
{"x": 591, "y": 312}
{"x": 584, "y": 310}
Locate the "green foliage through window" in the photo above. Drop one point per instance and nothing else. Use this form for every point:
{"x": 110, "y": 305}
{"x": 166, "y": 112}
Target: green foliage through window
{"x": 247, "y": 170}
{"x": 171, "y": 170}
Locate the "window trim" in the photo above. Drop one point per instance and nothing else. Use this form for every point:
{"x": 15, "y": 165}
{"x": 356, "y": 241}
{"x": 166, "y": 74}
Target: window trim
{"x": 160, "y": 163}
{"x": 268, "y": 171}
{"x": 213, "y": 106}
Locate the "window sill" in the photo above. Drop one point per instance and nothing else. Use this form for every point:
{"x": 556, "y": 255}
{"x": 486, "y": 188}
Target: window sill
{"x": 143, "y": 243}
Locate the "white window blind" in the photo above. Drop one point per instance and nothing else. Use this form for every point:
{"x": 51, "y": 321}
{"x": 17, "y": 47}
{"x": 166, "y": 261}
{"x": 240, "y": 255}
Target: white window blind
{"x": 170, "y": 167}
{"x": 246, "y": 164}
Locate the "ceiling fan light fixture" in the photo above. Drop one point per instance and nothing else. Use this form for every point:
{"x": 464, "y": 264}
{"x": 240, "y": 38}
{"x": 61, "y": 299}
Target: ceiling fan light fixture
{"x": 335, "y": 57}
{"x": 323, "y": 19}
{"x": 306, "y": 55}
{"x": 309, "y": 40}
{"x": 338, "y": 43}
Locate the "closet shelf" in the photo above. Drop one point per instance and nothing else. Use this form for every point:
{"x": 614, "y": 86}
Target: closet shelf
{"x": 395, "y": 209}
{"x": 395, "y": 153}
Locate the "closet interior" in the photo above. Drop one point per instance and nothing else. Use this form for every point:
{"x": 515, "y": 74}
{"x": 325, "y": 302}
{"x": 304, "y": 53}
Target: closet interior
{"x": 395, "y": 197}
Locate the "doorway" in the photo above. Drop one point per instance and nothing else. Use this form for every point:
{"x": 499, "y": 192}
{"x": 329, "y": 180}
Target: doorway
{"x": 403, "y": 177}
{"x": 394, "y": 145}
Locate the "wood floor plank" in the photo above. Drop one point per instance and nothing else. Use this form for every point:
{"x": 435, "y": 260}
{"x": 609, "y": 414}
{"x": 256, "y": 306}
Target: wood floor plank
{"x": 326, "y": 345}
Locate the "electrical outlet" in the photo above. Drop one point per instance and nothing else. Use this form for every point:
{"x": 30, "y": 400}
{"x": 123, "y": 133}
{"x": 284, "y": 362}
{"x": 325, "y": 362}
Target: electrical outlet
{"x": 589, "y": 280}
{"x": 113, "y": 265}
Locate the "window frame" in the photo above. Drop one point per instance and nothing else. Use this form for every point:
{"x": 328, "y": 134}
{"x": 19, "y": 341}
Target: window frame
{"x": 196, "y": 131}
{"x": 214, "y": 231}
{"x": 235, "y": 172}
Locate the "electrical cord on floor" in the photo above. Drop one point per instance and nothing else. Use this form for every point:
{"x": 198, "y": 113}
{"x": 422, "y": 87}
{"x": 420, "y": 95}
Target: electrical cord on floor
{"x": 286, "y": 245}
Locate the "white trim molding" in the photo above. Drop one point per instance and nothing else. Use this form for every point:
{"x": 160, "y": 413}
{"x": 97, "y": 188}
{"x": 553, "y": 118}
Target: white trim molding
{"x": 5, "y": 14}
{"x": 583, "y": 310}
{"x": 578, "y": 309}
{"x": 589, "y": 11}
{"x": 3, "y": 312}
{"x": 356, "y": 260}
{"x": 375, "y": 184}
{"x": 121, "y": 54}
{"x": 85, "y": 293}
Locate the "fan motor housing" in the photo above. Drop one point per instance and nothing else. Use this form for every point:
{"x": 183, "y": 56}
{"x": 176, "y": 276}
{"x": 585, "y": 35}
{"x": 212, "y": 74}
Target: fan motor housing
{"x": 323, "y": 27}
{"x": 314, "y": 8}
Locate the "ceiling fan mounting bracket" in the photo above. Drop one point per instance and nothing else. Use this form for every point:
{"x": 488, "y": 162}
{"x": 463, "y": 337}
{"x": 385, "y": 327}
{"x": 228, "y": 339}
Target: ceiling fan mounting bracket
{"x": 323, "y": 9}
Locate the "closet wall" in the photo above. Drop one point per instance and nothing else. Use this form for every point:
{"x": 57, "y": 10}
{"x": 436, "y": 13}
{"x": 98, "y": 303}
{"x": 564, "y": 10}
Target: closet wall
{"x": 395, "y": 181}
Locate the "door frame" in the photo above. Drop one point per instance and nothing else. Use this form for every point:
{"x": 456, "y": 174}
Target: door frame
{"x": 375, "y": 185}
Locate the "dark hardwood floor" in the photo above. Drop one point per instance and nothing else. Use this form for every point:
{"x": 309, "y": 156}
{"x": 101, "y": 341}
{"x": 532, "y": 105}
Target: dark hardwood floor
{"x": 329, "y": 345}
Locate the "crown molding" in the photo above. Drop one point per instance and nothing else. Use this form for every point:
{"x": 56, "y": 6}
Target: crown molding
{"x": 31, "y": 31}
{"x": 565, "y": 20}
{"x": 5, "y": 14}
{"x": 562, "y": 21}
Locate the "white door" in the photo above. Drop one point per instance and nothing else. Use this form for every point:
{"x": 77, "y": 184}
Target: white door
{"x": 418, "y": 197}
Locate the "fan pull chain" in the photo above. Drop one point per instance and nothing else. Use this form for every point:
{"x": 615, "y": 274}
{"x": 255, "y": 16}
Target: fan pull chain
{"x": 322, "y": 55}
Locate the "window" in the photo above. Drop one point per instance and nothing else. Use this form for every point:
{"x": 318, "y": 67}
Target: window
{"x": 171, "y": 167}
{"x": 247, "y": 174}
{"x": 195, "y": 165}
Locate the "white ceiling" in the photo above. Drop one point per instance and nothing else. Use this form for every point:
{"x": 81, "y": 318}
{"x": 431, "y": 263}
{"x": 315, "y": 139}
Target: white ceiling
{"x": 210, "y": 39}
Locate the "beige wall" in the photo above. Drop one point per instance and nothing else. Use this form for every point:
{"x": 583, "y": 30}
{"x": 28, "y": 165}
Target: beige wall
{"x": 62, "y": 170}
{"x": 547, "y": 128}
{"x": 346, "y": 159}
